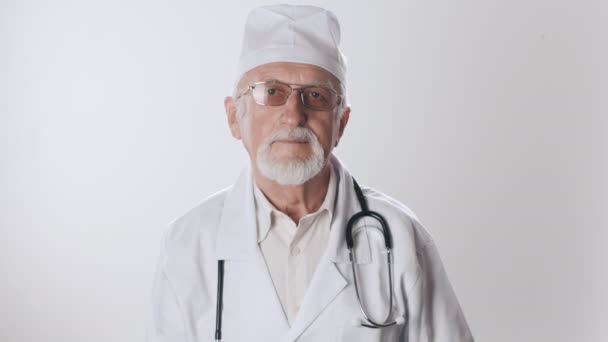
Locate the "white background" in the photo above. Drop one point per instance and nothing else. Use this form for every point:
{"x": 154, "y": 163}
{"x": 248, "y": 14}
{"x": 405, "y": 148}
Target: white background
{"x": 488, "y": 118}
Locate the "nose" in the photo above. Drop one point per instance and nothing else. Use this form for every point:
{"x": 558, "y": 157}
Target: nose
{"x": 294, "y": 114}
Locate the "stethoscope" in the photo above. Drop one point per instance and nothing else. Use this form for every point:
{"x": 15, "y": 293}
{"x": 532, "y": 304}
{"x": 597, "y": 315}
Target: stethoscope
{"x": 350, "y": 244}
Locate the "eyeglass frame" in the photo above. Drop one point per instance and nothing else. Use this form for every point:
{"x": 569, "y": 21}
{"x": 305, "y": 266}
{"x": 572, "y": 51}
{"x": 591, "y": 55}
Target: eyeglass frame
{"x": 299, "y": 90}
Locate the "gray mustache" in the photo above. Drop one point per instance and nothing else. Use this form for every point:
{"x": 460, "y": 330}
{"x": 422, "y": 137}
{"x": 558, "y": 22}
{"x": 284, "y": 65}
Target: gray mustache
{"x": 297, "y": 134}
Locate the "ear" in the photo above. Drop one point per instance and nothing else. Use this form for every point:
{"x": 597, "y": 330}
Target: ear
{"x": 342, "y": 124}
{"x": 231, "y": 116}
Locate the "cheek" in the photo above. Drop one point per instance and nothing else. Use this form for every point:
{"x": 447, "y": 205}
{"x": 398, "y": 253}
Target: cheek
{"x": 326, "y": 138}
{"x": 247, "y": 134}
{"x": 330, "y": 132}
{"x": 253, "y": 137}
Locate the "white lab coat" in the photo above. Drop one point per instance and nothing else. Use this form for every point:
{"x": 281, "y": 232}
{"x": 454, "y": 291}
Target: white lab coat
{"x": 223, "y": 227}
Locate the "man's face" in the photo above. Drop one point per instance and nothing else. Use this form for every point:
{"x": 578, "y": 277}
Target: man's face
{"x": 257, "y": 124}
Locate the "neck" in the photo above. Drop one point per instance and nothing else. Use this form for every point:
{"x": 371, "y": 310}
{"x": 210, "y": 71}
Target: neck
{"x": 296, "y": 201}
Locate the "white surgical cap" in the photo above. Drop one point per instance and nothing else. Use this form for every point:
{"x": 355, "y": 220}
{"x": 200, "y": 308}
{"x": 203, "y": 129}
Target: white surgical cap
{"x": 288, "y": 33}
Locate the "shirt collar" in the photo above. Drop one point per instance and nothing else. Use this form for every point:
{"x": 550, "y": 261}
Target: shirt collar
{"x": 265, "y": 209}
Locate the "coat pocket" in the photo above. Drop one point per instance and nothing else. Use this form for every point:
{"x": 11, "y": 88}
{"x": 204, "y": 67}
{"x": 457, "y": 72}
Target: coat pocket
{"x": 354, "y": 331}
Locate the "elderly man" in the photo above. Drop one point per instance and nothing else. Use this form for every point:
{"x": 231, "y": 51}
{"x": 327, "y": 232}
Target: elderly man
{"x": 296, "y": 250}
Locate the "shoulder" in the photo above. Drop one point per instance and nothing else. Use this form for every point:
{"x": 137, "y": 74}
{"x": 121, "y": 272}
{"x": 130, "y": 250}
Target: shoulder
{"x": 413, "y": 245}
{"x": 385, "y": 201}
{"x": 202, "y": 219}
{"x": 187, "y": 247}
{"x": 403, "y": 222}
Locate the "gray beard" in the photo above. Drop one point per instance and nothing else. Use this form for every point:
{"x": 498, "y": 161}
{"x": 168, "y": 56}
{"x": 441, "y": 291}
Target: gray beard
{"x": 291, "y": 171}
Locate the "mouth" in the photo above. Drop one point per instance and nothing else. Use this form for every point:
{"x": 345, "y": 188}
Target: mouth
{"x": 291, "y": 141}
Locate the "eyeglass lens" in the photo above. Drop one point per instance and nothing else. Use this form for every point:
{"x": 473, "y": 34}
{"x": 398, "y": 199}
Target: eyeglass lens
{"x": 276, "y": 94}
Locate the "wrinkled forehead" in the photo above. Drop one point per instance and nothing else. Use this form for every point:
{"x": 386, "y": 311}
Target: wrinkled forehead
{"x": 291, "y": 73}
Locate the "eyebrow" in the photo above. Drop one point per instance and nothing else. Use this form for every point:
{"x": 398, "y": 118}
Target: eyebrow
{"x": 324, "y": 83}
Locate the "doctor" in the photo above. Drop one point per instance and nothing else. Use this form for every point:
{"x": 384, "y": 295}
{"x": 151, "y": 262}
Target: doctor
{"x": 279, "y": 231}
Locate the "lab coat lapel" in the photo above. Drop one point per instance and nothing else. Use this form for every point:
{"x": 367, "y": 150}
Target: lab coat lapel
{"x": 237, "y": 235}
{"x": 249, "y": 290}
{"x": 252, "y": 310}
{"x": 325, "y": 285}
{"x": 328, "y": 281}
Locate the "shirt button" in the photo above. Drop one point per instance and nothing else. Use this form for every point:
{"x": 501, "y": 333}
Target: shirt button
{"x": 295, "y": 251}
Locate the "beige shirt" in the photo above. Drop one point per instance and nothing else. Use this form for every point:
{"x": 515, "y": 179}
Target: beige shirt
{"x": 292, "y": 252}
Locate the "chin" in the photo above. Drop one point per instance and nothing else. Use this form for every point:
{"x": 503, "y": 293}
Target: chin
{"x": 300, "y": 153}
{"x": 291, "y": 170}
{"x": 290, "y": 159}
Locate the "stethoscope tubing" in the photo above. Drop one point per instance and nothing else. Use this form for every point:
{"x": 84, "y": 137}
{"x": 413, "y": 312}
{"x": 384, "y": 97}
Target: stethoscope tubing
{"x": 350, "y": 244}
{"x": 388, "y": 242}
{"x": 220, "y": 300}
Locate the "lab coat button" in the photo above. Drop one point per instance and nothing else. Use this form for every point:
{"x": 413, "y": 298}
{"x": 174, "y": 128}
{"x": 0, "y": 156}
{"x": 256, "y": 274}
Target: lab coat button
{"x": 295, "y": 251}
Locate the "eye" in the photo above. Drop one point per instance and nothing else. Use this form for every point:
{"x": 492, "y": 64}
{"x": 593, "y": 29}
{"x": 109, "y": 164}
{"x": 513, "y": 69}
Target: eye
{"x": 317, "y": 94}
{"x": 271, "y": 91}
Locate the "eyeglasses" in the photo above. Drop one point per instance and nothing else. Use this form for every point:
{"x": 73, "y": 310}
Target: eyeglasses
{"x": 275, "y": 93}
